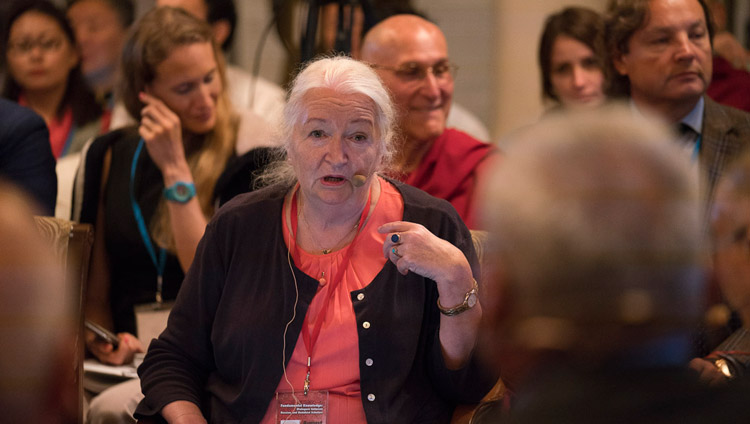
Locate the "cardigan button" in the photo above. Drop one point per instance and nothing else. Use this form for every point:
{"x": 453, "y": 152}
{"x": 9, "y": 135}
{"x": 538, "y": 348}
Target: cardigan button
{"x": 360, "y": 296}
{"x": 366, "y": 324}
{"x": 368, "y": 362}
{"x": 371, "y": 397}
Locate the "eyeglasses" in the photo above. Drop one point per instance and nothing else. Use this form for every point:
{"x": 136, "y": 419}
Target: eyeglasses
{"x": 25, "y": 46}
{"x": 413, "y": 71}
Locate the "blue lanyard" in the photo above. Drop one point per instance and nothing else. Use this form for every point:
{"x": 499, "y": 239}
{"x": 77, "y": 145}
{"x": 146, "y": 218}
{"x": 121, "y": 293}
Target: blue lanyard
{"x": 69, "y": 141}
{"x": 158, "y": 264}
{"x": 697, "y": 148}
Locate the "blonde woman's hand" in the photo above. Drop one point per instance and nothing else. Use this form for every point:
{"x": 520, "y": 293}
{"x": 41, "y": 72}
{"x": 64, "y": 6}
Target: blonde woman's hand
{"x": 104, "y": 351}
{"x": 161, "y": 130}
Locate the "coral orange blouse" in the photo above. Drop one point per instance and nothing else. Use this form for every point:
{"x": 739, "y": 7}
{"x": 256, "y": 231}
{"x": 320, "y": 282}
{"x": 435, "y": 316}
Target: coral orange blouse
{"x": 335, "y": 359}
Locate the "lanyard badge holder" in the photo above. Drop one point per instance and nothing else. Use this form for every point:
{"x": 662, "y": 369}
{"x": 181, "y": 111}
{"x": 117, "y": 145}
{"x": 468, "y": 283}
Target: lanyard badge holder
{"x": 297, "y": 408}
{"x": 312, "y": 405}
{"x": 151, "y": 318}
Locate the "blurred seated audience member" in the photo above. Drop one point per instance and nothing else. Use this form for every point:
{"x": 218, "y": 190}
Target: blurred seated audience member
{"x": 597, "y": 283}
{"x": 37, "y": 325}
{"x": 25, "y": 154}
{"x": 100, "y": 28}
{"x": 150, "y": 189}
{"x": 410, "y": 54}
{"x": 44, "y": 73}
{"x": 729, "y": 86}
{"x": 730, "y": 234}
{"x": 246, "y": 91}
{"x": 572, "y": 58}
{"x": 725, "y": 44}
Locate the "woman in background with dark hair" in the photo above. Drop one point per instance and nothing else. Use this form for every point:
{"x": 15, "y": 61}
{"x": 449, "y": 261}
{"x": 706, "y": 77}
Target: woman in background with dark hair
{"x": 43, "y": 73}
{"x": 101, "y": 27}
{"x": 572, "y": 57}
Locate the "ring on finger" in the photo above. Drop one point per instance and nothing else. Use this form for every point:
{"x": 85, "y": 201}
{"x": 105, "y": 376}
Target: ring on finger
{"x": 394, "y": 250}
{"x": 396, "y": 238}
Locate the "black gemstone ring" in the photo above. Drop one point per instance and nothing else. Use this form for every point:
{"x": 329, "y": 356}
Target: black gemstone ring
{"x": 396, "y": 238}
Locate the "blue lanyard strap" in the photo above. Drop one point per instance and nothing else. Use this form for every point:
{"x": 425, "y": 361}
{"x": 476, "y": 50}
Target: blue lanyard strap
{"x": 697, "y": 149}
{"x": 69, "y": 141}
{"x": 160, "y": 263}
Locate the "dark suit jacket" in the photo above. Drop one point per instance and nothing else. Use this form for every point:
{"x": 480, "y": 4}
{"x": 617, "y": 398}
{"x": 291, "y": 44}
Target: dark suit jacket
{"x": 25, "y": 154}
{"x": 726, "y": 132}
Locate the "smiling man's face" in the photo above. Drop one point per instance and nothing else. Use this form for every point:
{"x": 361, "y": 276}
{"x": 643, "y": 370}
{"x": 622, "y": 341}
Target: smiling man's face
{"x": 407, "y": 52}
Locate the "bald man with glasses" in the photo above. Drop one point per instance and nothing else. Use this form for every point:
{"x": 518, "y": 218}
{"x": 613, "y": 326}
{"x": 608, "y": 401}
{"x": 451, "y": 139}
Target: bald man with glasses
{"x": 410, "y": 54}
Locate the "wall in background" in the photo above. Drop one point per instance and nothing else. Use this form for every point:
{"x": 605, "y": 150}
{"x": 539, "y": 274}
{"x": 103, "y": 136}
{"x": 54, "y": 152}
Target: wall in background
{"x": 469, "y": 28}
{"x": 255, "y": 16}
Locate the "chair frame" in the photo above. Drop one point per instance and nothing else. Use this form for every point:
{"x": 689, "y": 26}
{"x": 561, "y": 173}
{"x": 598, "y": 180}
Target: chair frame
{"x": 72, "y": 243}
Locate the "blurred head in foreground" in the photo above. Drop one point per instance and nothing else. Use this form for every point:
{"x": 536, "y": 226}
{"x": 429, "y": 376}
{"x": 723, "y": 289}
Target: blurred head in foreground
{"x": 596, "y": 233}
{"x": 37, "y": 359}
{"x": 730, "y": 234}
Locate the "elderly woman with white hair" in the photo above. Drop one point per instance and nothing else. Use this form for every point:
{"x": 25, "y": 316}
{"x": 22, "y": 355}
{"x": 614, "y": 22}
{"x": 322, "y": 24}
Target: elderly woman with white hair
{"x": 333, "y": 294}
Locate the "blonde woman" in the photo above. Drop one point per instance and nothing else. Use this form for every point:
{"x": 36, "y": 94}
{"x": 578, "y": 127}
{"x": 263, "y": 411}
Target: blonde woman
{"x": 151, "y": 188}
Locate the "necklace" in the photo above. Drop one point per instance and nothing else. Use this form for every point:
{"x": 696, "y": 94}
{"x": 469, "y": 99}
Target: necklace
{"x": 309, "y": 336}
{"x": 309, "y": 227}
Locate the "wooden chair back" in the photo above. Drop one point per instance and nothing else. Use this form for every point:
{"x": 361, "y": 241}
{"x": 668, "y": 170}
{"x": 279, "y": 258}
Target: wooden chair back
{"x": 72, "y": 244}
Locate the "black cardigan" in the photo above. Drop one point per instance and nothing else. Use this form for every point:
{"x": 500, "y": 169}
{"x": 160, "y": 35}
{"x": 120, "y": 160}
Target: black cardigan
{"x": 223, "y": 343}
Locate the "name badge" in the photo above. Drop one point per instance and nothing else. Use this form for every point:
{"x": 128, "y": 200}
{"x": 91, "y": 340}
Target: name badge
{"x": 297, "y": 408}
{"x": 151, "y": 320}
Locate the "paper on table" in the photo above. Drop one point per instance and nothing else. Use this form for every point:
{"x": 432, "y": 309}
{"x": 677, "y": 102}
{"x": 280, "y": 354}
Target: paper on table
{"x": 124, "y": 371}
{"x": 151, "y": 320}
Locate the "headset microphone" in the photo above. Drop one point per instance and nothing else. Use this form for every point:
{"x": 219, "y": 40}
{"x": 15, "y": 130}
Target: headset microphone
{"x": 358, "y": 180}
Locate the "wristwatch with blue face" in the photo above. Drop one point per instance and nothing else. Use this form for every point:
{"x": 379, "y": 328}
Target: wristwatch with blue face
{"x": 180, "y": 192}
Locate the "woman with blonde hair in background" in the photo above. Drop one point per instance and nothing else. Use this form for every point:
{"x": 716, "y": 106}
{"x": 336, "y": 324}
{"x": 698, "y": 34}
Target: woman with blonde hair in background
{"x": 151, "y": 188}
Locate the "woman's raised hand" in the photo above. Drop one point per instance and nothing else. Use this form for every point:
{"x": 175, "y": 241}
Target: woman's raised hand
{"x": 411, "y": 247}
{"x": 162, "y": 132}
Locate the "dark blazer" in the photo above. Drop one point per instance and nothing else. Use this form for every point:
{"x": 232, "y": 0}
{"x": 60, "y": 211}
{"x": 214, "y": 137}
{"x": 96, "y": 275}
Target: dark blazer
{"x": 726, "y": 132}
{"x": 25, "y": 154}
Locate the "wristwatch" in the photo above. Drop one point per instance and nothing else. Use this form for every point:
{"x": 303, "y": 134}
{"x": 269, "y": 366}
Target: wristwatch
{"x": 469, "y": 301}
{"x": 180, "y": 192}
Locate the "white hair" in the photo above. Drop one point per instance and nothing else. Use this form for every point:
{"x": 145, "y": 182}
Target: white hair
{"x": 345, "y": 76}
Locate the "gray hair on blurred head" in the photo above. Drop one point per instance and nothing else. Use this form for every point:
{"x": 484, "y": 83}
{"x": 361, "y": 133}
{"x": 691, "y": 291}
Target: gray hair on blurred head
{"x": 596, "y": 226}
{"x": 36, "y": 320}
